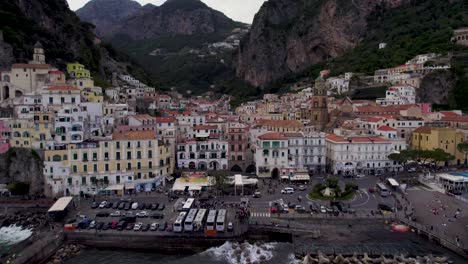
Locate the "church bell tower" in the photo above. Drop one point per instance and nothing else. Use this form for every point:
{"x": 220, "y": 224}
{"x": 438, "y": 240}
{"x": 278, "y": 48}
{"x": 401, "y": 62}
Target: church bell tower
{"x": 319, "y": 110}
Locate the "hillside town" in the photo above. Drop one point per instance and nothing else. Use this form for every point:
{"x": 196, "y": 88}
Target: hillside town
{"x": 94, "y": 140}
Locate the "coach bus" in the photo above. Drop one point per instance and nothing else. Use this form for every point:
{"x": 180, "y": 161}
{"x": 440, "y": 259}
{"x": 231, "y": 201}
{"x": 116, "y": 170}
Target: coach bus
{"x": 199, "y": 220}
{"x": 188, "y": 204}
{"x": 382, "y": 189}
{"x": 178, "y": 224}
{"x": 221, "y": 220}
{"x": 188, "y": 224}
{"x": 210, "y": 222}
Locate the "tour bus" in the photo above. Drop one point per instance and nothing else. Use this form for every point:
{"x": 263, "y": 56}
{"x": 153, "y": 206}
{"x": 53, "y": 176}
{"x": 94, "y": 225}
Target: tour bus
{"x": 221, "y": 220}
{"x": 188, "y": 224}
{"x": 199, "y": 220}
{"x": 188, "y": 204}
{"x": 178, "y": 224}
{"x": 210, "y": 222}
{"x": 382, "y": 189}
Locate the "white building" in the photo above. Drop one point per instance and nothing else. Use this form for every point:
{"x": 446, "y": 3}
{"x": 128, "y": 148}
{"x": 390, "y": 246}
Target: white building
{"x": 271, "y": 154}
{"x": 338, "y": 85}
{"x": 307, "y": 151}
{"x": 398, "y": 95}
{"x": 391, "y": 134}
{"x": 203, "y": 153}
{"x": 369, "y": 155}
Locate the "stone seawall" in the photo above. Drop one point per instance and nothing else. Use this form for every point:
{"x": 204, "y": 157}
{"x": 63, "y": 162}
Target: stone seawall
{"x": 40, "y": 249}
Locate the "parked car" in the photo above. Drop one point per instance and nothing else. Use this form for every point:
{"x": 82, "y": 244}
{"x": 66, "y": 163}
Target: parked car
{"x": 138, "y": 226}
{"x": 109, "y": 205}
{"x": 94, "y": 205}
{"x": 122, "y": 225}
{"x": 287, "y": 190}
{"x": 114, "y": 224}
{"x": 299, "y": 209}
{"x": 122, "y": 205}
{"x": 453, "y": 192}
{"x": 273, "y": 210}
{"x": 371, "y": 190}
{"x": 257, "y": 195}
{"x": 115, "y": 214}
{"x": 154, "y": 226}
{"x": 323, "y": 209}
{"x": 285, "y": 208}
{"x": 83, "y": 224}
{"x": 128, "y": 219}
{"x": 142, "y": 206}
{"x": 135, "y": 206}
{"x": 99, "y": 225}
{"x": 106, "y": 226}
{"x": 130, "y": 226}
{"x": 161, "y": 207}
{"x": 302, "y": 188}
{"x": 360, "y": 176}
{"x": 102, "y": 215}
{"x": 154, "y": 206}
{"x": 103, "y": 204}
{"x": 163, "y": 226}
{"x": 230, "y": 227}
{"x": 116, "y": 205}
{"x": 329, "y": 209}
{"x": 128, "y": 206}
{"x": 142, "y": 214}
{"x": 157, "y": 216}
{"x": 384, "y": 207}
{"x": 148, "y": 206}
{"x": 92, "y": 225}
{"x": 145, "y": 227}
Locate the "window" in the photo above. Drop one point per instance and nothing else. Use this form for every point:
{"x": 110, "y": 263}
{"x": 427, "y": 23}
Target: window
{"x": 129, "y": 155}
{"x": 95, "y": 167}
{"x": 117, "y": 145}
{"x": 106, "y": 166}
{"x": 85, "y": 156}
{"x": 85, "y": 168}
{"x": 75, "y": 169}
{"x": 117, "y": 155}
{"x": 150, "y": 154}
{"x": 118, "y": 166}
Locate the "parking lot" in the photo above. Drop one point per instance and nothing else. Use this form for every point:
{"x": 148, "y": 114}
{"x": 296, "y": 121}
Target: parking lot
{"x": 142, "y": 214}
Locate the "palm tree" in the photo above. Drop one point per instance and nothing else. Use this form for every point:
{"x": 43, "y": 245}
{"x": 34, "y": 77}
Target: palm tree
{"x": 463, "y": 147}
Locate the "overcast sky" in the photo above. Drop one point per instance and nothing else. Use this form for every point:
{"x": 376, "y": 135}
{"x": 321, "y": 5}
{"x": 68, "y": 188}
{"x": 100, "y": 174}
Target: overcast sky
{"x": 239, "y": 10}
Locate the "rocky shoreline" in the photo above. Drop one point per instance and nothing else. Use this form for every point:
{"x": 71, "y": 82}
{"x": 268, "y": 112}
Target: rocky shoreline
{"x": 66, "y": 252}
{"x": 321, "y": 258}
{"x": 27, "y": 220}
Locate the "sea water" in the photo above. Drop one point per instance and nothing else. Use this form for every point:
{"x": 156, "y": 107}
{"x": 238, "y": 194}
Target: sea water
{"x": 12, "y": 235}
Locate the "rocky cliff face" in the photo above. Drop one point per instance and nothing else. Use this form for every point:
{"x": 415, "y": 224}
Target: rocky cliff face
{"x": 22, "y": 165}
{"x": 107, "y": 14}
{"x": 437, "y": 88}
{"x": 64, "y": 36}
{"x": 287, "y": 36}
{"x": 174, "y": 17}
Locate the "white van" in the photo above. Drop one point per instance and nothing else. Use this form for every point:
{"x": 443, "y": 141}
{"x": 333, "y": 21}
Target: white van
{"x": 287, "y": 190}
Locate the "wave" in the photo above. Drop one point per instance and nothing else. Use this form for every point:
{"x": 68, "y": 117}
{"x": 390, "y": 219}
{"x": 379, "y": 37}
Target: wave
{"x": 243, "y": 253}
{"x": 11, "y": 235}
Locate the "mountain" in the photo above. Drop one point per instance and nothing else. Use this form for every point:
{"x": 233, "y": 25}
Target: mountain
{"x": 287, "y": 36}
{"x": 174, "y": 17}
{"x": 64, "y": 36}
{"x": 106, "y": 14}
{"x": 172, "y": 41}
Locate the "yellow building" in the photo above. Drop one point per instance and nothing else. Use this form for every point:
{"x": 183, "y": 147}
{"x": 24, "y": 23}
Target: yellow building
{"x": 77, "y": 70}
{"x": 82, "y": 83}
{"x": 430, "y": 138}
{"x": 32, "y": 133}
{"x": 132, "y": 160}
{"x": 92, "y": 95}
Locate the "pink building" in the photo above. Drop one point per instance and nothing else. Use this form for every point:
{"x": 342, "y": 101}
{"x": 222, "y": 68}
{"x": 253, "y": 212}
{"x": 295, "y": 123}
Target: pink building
{"x": 4, "y": 137}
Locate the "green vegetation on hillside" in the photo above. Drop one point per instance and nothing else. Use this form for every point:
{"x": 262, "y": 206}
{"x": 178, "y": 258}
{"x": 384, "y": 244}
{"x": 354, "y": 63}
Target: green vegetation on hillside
{"x": 423, "y": 26}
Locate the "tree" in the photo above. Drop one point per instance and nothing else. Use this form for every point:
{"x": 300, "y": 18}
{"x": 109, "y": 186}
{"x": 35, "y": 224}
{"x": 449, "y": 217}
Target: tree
{"x": 439, "y": 155}
{"x": 402, "y": 157}
{"x": 463, "y": 147}
{"x": 18, "y": 188}
{"x": 332, "y": 182}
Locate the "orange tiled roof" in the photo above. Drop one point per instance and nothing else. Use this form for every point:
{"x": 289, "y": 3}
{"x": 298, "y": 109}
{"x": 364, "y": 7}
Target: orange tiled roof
{"x": 204, "y": 127}
{"x": 423, "y": 130}
{"x": 339, "y": 139}
{"x": 134, "y": 135}
{"x": 166, "y": 119}
{"x": 456, "y": 118}
{"x": 30, "y": 66}
{"x": 272, "y": 136}
{"x": 386, "y": 128}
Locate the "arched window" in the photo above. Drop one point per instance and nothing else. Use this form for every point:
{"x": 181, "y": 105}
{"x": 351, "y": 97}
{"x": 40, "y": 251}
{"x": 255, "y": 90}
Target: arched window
{"x": 266, "y": 152}
{"x": 56, "y": 158}
{"x": 6, "y": 78}
{"x": 25, "y": 134}
{"x": 16, "y": 134}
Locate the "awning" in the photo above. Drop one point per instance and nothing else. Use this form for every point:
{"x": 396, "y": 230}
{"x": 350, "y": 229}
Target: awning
{"x": 129, "y": 186}
{"x": 195, "y": 188}
{"x": 301, "y": 177}
{"x": 60, "y": 204}
{"x": 285, "y": 177}
{"x": 115, "y": 187}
